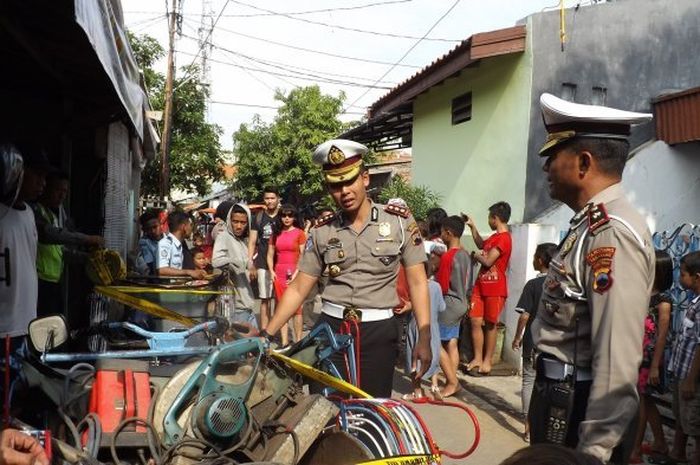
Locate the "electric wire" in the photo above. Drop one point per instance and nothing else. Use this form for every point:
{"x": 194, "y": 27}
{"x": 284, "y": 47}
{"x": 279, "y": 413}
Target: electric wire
{"x": 309, "y": 50}
{"x": 444, "y": 15}
{"x": 345, "y": 28}
{"x": 293, "y": 13}
{"x": 292, "y": 76}
{"x": 289, "y": 67}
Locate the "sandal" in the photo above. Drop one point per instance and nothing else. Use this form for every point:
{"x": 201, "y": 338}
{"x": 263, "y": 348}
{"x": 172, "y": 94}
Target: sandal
{"x": 435, "y": 391}
{"x": 412, "y": 397}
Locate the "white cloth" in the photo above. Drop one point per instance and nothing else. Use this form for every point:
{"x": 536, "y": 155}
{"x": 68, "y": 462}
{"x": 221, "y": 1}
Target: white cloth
{"x": 170, "y": 252}
{"x": 18, "y": 301}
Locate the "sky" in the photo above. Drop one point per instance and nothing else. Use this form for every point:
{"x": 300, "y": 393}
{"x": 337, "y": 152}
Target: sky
{"x": 257, "y": 45}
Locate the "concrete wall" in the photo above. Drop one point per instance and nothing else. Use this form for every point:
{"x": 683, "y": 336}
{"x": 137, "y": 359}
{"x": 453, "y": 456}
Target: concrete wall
{"x": 636, "y": 49}
{"x": 662, "y": 181}
{"x": 479, "y": 162}
{"x": 526, "y": 237}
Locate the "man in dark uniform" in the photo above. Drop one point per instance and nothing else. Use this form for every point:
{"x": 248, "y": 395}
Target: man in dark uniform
{"x": 590, "y": 321}
{"x": 360, "y": 248}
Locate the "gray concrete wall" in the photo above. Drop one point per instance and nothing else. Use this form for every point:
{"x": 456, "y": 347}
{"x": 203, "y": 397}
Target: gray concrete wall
{"x": 636, "y": 49}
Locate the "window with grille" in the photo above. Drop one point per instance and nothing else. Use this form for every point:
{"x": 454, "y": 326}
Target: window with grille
{"x": 462, "y": 108}
{"x": 599, "y": 95}
{"x": 568, "y": 91}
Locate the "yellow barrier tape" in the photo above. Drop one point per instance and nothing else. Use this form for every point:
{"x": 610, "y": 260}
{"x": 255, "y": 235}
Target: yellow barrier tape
{"x": 405, "y": 460}
{"x": 145, "y": 306}
{"x": 162, "y": 290}
{"x": 322, "y": 377}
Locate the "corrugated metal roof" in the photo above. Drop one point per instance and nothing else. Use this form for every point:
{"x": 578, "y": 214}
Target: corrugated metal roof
{"x": 678, "y": 116}
{"x": 469, "y": 51}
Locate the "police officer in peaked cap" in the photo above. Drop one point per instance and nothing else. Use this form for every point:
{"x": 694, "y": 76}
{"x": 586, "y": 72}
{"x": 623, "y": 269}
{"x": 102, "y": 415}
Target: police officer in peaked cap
{"x": 360, "y": 248}
{"x": 590, "y": 322}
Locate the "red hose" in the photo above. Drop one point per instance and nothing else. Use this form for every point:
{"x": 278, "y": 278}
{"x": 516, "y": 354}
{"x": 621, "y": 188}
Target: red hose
{"x": 477, "y": 429}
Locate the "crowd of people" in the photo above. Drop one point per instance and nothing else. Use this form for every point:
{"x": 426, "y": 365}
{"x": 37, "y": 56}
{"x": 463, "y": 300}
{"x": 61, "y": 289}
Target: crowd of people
{"x": 593, "y": 324}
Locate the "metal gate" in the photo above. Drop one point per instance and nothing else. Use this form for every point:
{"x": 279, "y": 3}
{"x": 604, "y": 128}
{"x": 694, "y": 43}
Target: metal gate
{"x": 678, "y": 242}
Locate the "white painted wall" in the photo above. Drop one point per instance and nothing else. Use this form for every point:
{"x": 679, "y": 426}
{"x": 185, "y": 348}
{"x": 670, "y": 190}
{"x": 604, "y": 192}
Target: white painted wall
{"x": 526, "y": 237}
{"x": 662, "y": 181}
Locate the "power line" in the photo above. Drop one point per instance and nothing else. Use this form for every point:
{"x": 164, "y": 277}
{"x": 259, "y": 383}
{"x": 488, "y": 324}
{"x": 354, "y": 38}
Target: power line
{"x": 274, "y": 73}
{"x": 291, "y": 68}
{"x": 294, "y": 13}
{"x": 408, "y": 51}
{"x": 270, "y": 107}
{"x": 336, "y": 26}
{"x": 319, "y": 52}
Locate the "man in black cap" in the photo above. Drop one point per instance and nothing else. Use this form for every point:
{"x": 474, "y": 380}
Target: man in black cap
{"x": 590, "y": 321}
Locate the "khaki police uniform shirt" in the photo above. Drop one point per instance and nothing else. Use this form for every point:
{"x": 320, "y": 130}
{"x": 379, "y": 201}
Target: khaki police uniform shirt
{"x": 362, "y": 267}
{"x": 601, "y": 277}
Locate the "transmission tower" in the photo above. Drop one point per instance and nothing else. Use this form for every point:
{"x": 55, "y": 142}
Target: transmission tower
{"x": 205, "y": 41}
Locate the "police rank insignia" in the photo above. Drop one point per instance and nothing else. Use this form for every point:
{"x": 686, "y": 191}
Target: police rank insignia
{"x": 600, "y": 260}
{"x": 597, "y": 217}
{"x": 568, "y": 243}
{"x": 335, "y": 155}
{"x": 384, "y": 229}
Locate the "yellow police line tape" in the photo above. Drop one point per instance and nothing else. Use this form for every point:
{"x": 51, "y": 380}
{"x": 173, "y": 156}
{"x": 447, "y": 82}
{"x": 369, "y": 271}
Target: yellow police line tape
{"x": 162, "y": 290}
{"x": 321, "y": 376}
{"x": 144, "y": 305}
{"x": 405, "y": 460}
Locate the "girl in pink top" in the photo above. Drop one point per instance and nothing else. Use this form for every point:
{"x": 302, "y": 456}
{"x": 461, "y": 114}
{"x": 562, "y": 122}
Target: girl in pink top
{"x": 286, "y": 246}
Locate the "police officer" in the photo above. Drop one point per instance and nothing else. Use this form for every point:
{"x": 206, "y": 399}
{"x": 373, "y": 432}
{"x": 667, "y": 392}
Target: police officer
{"x": 590, "y": 321}
{"x": 360, "y": 248}
{"x": 171, "y": 248}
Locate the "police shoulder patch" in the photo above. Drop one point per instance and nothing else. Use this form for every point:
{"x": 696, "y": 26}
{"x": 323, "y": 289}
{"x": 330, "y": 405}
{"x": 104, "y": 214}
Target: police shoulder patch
{"x": 397, "y": 210}
{"x": 325, "y": 219}
{"x": 597, "y": 217}
{"x": 601, "y": 262}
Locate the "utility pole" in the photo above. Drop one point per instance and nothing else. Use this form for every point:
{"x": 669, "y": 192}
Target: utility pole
{"x": 168, "y": 111}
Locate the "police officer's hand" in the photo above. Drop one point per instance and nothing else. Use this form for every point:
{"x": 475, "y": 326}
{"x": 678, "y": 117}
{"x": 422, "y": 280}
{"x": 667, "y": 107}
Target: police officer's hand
{"x": 687, "y": 388}
{"x": 423, "y": 354}
{"x": 17, "y": 448}
{"x": 197, "y": 274}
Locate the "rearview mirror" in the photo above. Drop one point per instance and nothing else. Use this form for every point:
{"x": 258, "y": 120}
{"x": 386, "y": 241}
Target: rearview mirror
{"x": 48, "y": 333}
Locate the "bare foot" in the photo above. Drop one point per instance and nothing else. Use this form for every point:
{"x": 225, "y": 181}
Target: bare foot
{"x": 473, "y": 364}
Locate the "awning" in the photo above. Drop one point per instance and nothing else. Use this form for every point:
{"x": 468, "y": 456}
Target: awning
{"x": 70, "y": 62}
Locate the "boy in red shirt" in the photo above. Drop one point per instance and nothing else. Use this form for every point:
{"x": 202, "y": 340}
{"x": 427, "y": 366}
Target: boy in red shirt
{"x": 491, "y": 288}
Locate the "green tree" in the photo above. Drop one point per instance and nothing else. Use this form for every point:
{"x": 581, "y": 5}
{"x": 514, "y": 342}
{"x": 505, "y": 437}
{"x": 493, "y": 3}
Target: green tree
{"x": 196, "y": 157}
{"x": 419, "y": 199}
{"x": 279, "y": 153}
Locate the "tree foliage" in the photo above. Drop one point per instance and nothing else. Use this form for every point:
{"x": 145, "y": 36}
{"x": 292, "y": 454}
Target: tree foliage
{"x": 419, "y": 199}
{"x": 279, "y": 153}
{"x": 196, "y": 157}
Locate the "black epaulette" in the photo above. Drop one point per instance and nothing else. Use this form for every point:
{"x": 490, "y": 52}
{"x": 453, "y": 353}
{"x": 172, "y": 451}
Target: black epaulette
{"x": 403, "y": 212}
{"x": 325, "y": 219}
{"x": 597, "y": 217}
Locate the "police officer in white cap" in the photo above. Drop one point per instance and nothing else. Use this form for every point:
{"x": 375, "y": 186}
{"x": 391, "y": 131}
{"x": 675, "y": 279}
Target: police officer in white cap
{"x": 590, "y": 322}
{"x": 360, "y": 248}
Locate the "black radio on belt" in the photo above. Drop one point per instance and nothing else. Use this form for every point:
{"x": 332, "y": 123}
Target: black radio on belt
{"x": 561, "y": 402}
